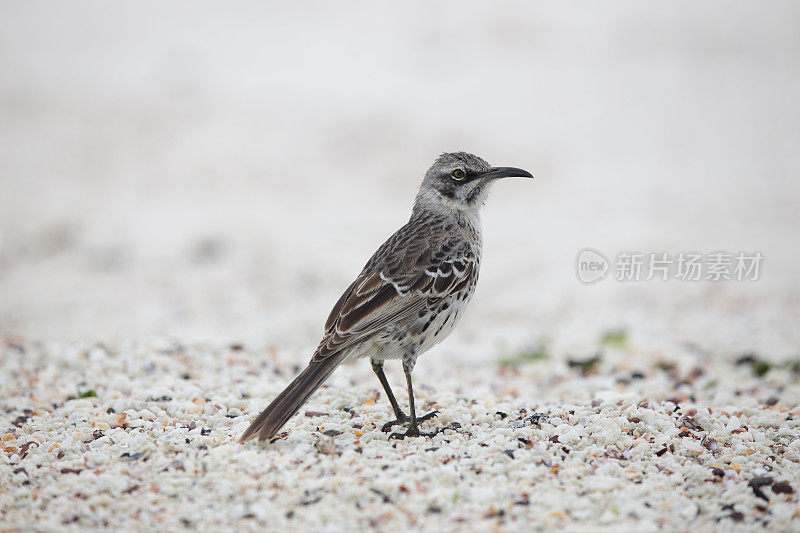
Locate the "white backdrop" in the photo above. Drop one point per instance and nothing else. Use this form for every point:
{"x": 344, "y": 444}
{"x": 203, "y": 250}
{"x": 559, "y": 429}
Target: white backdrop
{"x": 222, "y": 175}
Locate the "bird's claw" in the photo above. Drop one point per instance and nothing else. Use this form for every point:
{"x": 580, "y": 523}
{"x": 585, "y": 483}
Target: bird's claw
{"x": 399, "y": 420}
{"x": 403, "y": 418}
{"x": 428, "y": 416}
{"x": 414, "y": 432}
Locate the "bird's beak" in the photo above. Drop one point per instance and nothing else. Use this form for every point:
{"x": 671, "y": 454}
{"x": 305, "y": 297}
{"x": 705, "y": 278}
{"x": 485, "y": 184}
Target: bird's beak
{"x": 506, "y": 172}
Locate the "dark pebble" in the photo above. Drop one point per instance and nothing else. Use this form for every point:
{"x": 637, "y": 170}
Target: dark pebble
{"x": 718, "y": 472}
{"x": 332, "y": 433}
{"x": 24, "y": 449}
{"x": 537, "y": 418}
{"x": 384, "y": 497}
{"x": 761, "y": 481}
{"x": 782, "y": 487}
{"x": 746, "y": 359}
{"x": 757, "y": 483}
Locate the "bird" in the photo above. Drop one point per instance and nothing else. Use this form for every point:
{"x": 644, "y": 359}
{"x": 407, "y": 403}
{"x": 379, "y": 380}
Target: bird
{"x": 409, "y": 296}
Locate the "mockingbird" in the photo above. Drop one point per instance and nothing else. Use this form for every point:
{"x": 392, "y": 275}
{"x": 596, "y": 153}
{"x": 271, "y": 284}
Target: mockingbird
{"x": 409, "y": 296}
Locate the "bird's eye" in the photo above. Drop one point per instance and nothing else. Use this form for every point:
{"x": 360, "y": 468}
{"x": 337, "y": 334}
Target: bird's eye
{"x": 458, "y": 174}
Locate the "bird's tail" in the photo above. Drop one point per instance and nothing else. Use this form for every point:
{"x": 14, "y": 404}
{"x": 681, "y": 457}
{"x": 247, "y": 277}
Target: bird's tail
{"x": 291, "y": 399}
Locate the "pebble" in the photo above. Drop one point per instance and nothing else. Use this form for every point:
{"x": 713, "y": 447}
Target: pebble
{"x": 558, "y": 459}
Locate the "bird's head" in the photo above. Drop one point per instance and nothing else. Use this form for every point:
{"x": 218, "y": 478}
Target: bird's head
{"x": 460, "y": 181}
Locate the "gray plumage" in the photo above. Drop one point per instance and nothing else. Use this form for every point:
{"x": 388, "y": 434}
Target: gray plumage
{"x": 410, "y": 294}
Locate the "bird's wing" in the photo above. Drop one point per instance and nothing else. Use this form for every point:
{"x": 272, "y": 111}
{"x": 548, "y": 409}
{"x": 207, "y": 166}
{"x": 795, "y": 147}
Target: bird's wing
{"x": 412, "y": 270}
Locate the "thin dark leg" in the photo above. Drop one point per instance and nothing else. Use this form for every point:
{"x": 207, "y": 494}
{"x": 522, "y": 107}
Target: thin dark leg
{"x": 413, "y": 431}
{"x": 377, "y": 367}
{"x": 411, "y": 407}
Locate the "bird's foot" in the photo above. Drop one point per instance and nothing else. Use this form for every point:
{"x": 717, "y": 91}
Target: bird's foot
{"x": 414, "y": 431}
{"x": 402, "y": 418}
{"x": 428, "y": 416}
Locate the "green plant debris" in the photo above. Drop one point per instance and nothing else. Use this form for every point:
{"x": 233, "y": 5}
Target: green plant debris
{"x": 88, "y": 394}
{"x": 614, "y": 337}
{"x": 761, "y": 367}
{"x": 757, "y": 365}
{"x": 536, "y": 353}
{"x": 586, "y": 366}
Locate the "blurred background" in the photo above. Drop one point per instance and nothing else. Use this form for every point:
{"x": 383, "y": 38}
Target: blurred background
{"x": 204, "y": 174}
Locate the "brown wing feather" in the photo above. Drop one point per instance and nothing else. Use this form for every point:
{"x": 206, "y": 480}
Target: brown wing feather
{"x": 337, "y": 308}
{"x": 363, "y": 314}
{"x": 412, "y": 269}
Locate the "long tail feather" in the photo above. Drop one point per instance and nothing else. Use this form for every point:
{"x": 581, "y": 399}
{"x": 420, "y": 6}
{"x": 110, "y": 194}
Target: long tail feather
{"x": 288, "y": 402}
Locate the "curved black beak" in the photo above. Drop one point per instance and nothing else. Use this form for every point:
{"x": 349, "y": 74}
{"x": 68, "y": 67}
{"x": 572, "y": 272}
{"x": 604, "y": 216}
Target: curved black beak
{"x": 506, "y": 172}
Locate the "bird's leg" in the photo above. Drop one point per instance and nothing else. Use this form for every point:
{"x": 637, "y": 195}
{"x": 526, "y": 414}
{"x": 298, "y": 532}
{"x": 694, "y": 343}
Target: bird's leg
{"x": 413, "y": 431}
{"x": 377, "y": 367}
